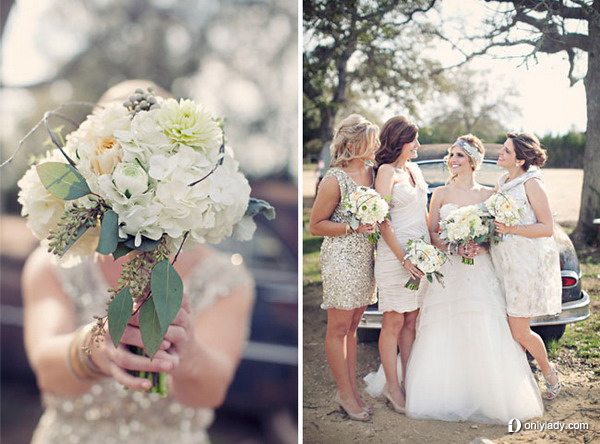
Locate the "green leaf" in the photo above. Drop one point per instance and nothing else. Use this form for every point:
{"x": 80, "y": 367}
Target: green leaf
{"x": 62, "y": 180}
{"x": 80, "y": 231}
{"x": 429, "y": 278}
{"x": 119, "y": 313}
{"x": 109, "y": 233}
{"x": 146, "y": 245}
{"x": 121, "y": 250}
{"x": 257, "y": 206}
{"x": 167, "y": 292}
{"x": 150, "y": 328}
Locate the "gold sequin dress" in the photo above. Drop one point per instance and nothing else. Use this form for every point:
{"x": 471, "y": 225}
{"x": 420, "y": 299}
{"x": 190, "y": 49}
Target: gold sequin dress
{"x": 109, "y": 414}
{"x": 346, "y": 260}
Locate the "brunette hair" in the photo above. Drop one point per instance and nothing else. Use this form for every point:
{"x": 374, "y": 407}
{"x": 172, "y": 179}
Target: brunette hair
{"x": 528, "y": 148}
{"x": 396, "y": 132}
{"x": 352, "y": 139}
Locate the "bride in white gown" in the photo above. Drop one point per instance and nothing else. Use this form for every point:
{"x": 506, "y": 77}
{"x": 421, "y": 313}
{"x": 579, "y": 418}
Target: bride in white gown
{"x": 465, "y": 365}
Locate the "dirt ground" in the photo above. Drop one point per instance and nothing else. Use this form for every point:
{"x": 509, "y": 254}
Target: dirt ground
{"x": 325, "y": 423}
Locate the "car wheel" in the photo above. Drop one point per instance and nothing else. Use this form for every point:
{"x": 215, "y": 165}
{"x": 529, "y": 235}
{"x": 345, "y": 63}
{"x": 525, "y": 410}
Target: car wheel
{"x": 368, "y": 334}
{"x": 550, "y": 332}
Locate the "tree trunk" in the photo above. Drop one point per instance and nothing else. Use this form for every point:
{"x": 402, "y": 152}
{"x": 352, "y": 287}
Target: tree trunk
{"x": 586, "y": 233}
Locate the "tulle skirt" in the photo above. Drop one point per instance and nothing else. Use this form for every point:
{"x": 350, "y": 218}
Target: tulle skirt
{"x": 465, "y": 365}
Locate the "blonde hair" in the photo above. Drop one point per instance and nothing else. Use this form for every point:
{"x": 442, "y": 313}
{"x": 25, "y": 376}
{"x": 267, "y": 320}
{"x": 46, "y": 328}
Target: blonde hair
{"x": 353, "y": 139}
{"x": 528, "y": 148}
{"x": 476, "y": 143}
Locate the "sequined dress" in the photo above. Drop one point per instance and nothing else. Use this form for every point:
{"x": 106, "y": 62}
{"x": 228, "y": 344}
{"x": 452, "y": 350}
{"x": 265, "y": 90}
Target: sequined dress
{"x": 408, "y": 209}
{"x": 529, "y": 268}
{"x": 346, "y": 260}
{"x": 109, "y": 414}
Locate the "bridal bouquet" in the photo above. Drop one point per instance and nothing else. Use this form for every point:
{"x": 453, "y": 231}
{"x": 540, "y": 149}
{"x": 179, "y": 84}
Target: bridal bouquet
{"x": 426, "y": 258}
{"x": 140, "y": 178}
{"x": 366, "y": 206}
{"x": 504, "y": 209}
{"x": 464, "y": 225}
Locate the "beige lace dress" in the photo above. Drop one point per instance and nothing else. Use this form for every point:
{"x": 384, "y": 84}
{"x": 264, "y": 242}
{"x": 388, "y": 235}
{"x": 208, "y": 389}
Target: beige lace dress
{"x": 109, "y": 414}
{"x": 346, "y": 260}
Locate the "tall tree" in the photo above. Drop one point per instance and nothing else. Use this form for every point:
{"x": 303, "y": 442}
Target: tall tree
{"x": 369, "y": 47}
{"x": 571, "y": 27}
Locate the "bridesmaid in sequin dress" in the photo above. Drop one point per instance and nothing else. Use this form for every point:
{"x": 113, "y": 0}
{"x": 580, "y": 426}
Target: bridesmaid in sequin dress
{"x": 346, "y": 255}
{"x": 527, "y": 259}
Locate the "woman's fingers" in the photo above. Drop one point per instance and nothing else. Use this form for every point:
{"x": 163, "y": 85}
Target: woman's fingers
{"x": 161, "y": 362}
{"x": 133, "y": 336}
{"x": 124, "y": 378}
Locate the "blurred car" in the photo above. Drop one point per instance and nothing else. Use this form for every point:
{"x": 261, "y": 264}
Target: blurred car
{"x": 575, "y": 300}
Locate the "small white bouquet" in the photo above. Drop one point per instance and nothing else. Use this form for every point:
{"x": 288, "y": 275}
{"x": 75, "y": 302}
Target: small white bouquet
{"x": 426, "y": 258}
{"x": 464, "y": 225}
{"x": 139, "y": 179}
{"x": 366, "y": 206}
{"x": 504, "y": 209}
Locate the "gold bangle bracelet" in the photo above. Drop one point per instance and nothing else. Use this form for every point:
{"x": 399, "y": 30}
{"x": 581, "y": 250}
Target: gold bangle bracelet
{"x": 80, "y": 363}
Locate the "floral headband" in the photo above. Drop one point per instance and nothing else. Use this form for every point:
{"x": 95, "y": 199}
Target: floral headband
{"x": 471, "y": 151}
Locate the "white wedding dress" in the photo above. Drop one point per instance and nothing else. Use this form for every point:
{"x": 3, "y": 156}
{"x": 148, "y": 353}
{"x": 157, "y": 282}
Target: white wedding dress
{"x": 464, "y": 364}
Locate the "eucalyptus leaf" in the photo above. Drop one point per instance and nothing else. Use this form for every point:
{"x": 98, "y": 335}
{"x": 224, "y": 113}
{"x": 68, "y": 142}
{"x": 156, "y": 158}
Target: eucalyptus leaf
{"x": 80, "y": 231}
{"x": 429, "y": 278}
{"x": 150, "y": 328}
{"x": 119, "y": 314}
{"x": 146, "y": 245}
{"x": 109, "y": 233}
{"x": 62, "y": 180}
{"x": 167, "y": 292}
{"x": 258, "y": 206}
{"x": 121, "y": 250}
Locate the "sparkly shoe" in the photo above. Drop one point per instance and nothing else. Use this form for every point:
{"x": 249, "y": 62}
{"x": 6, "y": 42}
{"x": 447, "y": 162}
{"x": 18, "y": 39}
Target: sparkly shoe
{"x": 395, "y": 406}
{"x": 552, "y": 390}
{"x": 363, "y": 416}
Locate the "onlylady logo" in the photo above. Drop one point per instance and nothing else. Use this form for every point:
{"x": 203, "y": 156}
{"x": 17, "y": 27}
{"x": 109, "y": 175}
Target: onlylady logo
{"x": 514, "y": 425}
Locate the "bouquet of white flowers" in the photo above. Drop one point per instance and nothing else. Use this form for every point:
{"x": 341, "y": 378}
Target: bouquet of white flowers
{"x": 464, "y": 225}
{"x": 426, "y": 258}
{"x": 504, "y": 209}
{"x": 144, "y": 176}
{"x": 366, "y": 206}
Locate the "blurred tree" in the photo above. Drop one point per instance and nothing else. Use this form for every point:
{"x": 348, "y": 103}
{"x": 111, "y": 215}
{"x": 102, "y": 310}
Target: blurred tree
{"x": 372, "y": 48}
{"x": 553, "y": 27}
{"x": 471, "y": 105}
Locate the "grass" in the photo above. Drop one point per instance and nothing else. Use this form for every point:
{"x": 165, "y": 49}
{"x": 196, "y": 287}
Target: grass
{"x": 311, "y": 247}
{"x": 584, "y": 337}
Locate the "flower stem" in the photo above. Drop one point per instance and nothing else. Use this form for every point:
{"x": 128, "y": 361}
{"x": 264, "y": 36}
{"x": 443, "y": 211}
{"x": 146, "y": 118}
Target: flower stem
{"x": 413, "y": 284}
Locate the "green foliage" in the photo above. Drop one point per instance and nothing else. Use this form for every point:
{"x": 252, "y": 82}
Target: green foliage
{"x": 119, "y": 314}
{"x": 109, "y": 234}
{"x": 259, "y": 206}
{"x": 62, "y": 180}
{"x": 167, "y": 293}
{"x": 72, "y": 225}
{"x": 150, "y": 328}
{"x": 565, "y": 151}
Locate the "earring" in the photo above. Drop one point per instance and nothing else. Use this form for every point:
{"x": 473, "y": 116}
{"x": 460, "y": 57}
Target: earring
{"x": 517, "y": 165}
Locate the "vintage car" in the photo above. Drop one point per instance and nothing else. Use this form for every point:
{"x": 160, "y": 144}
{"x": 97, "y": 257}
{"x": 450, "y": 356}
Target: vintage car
{"x": 575, "y": 300}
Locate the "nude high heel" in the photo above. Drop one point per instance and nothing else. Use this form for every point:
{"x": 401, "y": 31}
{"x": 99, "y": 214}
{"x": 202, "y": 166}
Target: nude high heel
{"x": 363, "y": 416}
{"x": 395, "y": 406}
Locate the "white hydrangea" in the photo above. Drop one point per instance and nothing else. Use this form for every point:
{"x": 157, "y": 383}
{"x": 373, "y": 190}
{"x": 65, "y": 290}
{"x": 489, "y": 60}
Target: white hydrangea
{"x": 503, "y": 208}
{"x": 366, "y": 206}
{"x": 424, "y": 256}
{"x": 464, "y": 224}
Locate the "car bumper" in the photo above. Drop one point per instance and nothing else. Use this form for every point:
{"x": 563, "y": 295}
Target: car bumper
{"x": 573, "y": 311}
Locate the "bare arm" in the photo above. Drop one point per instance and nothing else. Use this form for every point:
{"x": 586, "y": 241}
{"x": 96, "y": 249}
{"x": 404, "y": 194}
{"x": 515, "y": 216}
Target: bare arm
{"x": 384, "y": 184}
{"x": 433, "y": 222}
{"x": 538, "y": 199}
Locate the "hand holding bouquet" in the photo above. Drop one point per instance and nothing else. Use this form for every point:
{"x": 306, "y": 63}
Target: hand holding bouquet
{"x": 504, "y": 209}
{"x": 366, "y": 206}
{"x": 426, "y": 258}
{"x": 140, "y": 179}
{"x": 464, "y": 225}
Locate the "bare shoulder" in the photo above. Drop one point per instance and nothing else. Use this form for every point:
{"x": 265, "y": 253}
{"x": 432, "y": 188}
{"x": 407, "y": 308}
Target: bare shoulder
{"x": 39, "y": 278}
{"x": 486, "y": 191}
{"x": 385, "y": 172}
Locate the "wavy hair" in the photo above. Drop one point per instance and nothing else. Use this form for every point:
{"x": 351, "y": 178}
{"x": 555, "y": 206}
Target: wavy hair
{"x": 353, "y": 139}
{"x": 395, "y": 133}
{"x": 476, "y": 143}
{"x": 528, "y": 148}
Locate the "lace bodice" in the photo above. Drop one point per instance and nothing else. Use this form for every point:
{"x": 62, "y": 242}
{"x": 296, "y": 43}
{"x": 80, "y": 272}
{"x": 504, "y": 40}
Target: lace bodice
{"x": 109, "y": 413}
